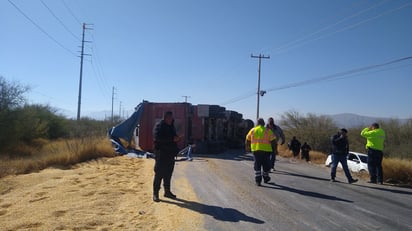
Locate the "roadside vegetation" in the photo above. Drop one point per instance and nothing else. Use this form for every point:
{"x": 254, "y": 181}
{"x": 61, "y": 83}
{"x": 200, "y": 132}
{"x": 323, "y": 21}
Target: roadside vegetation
{"x": 34, "y": 137}
{"x": 317, "y": 131}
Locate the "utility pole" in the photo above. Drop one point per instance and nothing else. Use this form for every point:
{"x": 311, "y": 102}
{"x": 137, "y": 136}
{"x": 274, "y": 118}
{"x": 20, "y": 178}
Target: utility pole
{"x": 259, "y": 92}
{"x": 112, "y": 103}
{"x": 120, "y": 110}
{"x": 186, "y": 96}
{"x": 81, "y": 70}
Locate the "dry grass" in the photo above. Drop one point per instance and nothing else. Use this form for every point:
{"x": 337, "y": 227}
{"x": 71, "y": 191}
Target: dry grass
{"x": 61, "y": 153}
{"x": 395, "y": 171}
{"x": 398, "y": 171}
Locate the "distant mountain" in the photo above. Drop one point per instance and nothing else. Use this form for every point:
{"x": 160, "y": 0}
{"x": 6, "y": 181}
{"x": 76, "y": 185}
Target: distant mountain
{"x": 349, "y": 120}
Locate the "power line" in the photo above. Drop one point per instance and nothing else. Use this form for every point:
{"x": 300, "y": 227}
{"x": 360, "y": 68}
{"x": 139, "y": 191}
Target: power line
{"x": 98, "y": 82}
{"x": 239, "y": 98}
{"x": 341, "y": 75}
{"x": 338, "y": 75}
{"x": 60, "y": 21}
{"x": 71, "y": 12}
{"x": 96, "y": 57}
{"x": 295, "y": 43}
{"x": 41, "y": 29}
{"x": 305, "y": 39}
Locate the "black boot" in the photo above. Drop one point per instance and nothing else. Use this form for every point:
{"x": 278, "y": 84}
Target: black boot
{"x": 156, "y": 197}
{"x": 169, "y": 194}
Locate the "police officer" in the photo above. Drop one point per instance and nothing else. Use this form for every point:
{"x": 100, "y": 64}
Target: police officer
{"x": 340, "y": 151}
{"x": 260, "y": 141}
{"x": 165, "y": 141}
{"x": 375, "y": 138}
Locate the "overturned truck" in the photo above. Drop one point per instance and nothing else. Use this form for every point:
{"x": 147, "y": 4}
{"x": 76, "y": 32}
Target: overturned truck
{"x": 209, "y": 128}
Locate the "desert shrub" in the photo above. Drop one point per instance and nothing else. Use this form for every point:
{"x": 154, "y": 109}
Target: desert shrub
{"x": 87, "y": 127}
{"x": 63, "y": 152}
{"x": 313, "y": 129}
{"x": 397, "y": 171}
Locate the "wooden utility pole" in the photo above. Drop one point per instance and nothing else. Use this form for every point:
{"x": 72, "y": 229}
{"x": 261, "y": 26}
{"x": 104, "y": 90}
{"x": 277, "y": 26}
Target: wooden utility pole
{"x": 81, "y": 71}
{"x": 259, "y": 93}
{"x": 112, "y": 103}
{"x": 186, "y": 96}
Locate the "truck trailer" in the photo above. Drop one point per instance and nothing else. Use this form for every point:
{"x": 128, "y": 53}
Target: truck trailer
{"x": 208, "y": 128}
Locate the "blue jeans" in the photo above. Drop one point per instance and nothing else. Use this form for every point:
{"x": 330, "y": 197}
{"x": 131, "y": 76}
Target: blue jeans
{"x": 336, "y": 158}
{"x": 375, "y": 165}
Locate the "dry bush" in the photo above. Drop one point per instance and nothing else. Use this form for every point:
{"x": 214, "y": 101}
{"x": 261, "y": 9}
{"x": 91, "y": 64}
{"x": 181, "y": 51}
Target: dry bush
{"x": 60, "y": 153}
{"x": 398, "y": 171}
{"x": 284, "y": 151}
{"x": 317, "y": 157}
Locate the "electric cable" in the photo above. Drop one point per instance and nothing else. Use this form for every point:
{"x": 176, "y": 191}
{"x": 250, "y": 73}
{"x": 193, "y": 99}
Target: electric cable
{"x": 295, "y": 42}
{"x": 71, "y": 12}
{"x": 340, "y": 75}
{"x": 60, "y": 21}
{"x": 305, "y": 39}
{"x": 41, "y": 29}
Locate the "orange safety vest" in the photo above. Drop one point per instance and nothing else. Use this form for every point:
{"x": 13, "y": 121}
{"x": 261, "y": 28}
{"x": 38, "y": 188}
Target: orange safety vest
{"x": 260, "y": 139}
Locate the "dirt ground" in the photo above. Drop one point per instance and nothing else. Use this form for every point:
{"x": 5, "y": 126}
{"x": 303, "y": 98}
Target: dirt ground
{"x": 104, "y": 194}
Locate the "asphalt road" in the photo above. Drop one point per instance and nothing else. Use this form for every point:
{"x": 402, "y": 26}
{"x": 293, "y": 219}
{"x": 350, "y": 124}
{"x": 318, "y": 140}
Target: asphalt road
{"x": 299, "y": 197}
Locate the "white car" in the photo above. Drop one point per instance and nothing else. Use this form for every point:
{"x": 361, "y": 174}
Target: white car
{"x": 357, "y": 162}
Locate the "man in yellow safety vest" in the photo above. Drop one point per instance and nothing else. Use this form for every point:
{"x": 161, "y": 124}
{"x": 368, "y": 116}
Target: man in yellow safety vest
{"x": 260, "y": 140}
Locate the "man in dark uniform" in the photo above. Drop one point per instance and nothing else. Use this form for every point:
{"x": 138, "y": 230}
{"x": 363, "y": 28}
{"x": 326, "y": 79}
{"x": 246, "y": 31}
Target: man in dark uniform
{"x": 294, "y": 146}
{"x": 165, "y": 141}
{"x": 340, "y": 150}
{"x": 305, "y": 149}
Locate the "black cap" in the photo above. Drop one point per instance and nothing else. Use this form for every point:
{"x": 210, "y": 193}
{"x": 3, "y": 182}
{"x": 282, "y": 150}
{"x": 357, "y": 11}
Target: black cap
{"x": 261, "y": 122}
{"x": 375, "y": 125}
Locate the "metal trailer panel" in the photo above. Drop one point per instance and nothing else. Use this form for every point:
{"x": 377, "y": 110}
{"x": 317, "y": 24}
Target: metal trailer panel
{"x": 153, "y": 113}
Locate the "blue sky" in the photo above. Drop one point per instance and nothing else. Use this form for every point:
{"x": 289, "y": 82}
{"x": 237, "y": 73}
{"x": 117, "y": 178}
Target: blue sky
{"x": 162, "y": 50}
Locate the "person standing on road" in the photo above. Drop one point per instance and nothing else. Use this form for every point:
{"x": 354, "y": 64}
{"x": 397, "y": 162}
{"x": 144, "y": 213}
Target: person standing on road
{"x": 340, "y": 151}
{"x": 260, "y": 141}
{"x": 165, "y": 142}
{"x": 279, "y": 135}
{"x": 375, "y": 138}
{"x": 305, "y": 149}
{"x": 294, "y": 146}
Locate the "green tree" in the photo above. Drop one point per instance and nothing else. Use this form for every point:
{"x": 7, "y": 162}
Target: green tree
{"x": 39, "y": 121}
{"x": 11, "y": 97}
{"x": 11, "y": 94}
{"x": 313, "y": 129}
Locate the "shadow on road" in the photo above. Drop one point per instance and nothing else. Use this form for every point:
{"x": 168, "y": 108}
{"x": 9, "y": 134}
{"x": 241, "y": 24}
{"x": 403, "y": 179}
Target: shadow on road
{"x": 235, "y": 154}
{"x": 219, "y": 213}
{"x": 379, "y": 187}
{"x": 305, "y": 193}
{"x": 300, "y": 175}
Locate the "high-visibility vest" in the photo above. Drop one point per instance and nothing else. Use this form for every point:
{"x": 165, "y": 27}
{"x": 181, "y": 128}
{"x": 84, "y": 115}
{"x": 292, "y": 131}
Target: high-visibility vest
{"x": 260, "y": 139}
{"x": 374, "y": 138}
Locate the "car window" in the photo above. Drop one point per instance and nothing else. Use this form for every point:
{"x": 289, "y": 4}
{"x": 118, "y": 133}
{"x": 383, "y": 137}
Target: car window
{"x": 352, "y": 157}
{"x": 364, "y": 159}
